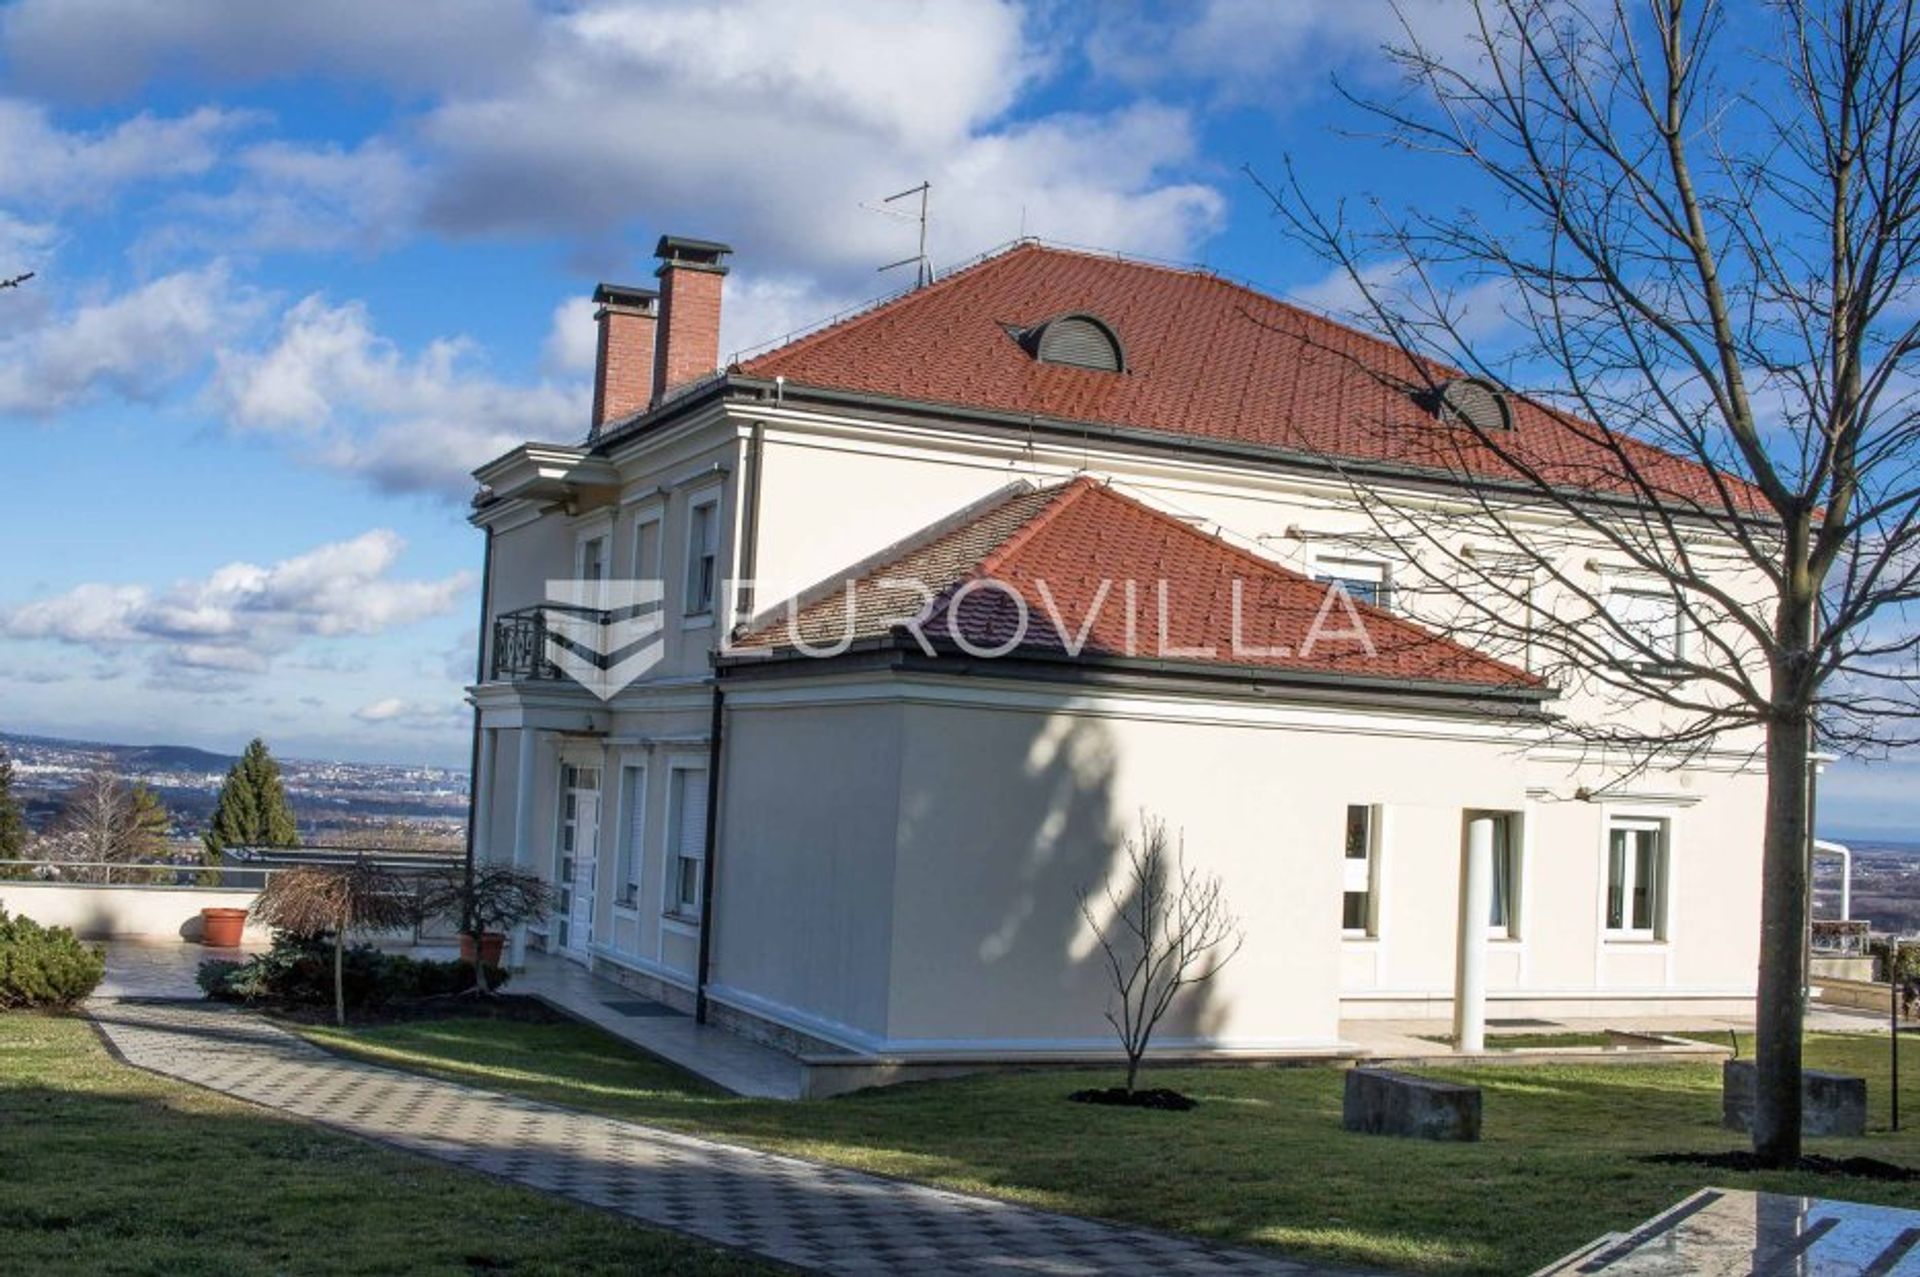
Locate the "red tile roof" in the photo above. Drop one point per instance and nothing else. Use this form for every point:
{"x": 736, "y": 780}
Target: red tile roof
{"x": 1206, "y": 358}
{"x": 1041, "y": 572}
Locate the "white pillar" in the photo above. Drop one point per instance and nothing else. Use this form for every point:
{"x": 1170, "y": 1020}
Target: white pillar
{"x": 483, "y": 796}
{"x": 1846, "y": 883}
{"x": 523, "y": 831}
{"x": 1470, "y": 967}
{"x": 523, "y": 800}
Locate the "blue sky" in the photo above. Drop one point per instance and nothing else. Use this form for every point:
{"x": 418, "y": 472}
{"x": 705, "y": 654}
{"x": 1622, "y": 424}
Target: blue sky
{"x": 300, "y": 267}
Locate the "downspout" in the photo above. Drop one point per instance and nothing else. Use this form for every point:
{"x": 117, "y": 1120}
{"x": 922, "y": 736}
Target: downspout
{"x": 712, "y": 848}
{"x": 473, "y": 761}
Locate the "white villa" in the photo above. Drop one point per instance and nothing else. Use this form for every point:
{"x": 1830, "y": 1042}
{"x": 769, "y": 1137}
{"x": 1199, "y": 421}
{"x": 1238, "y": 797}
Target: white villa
{"x": 885, "y": 726}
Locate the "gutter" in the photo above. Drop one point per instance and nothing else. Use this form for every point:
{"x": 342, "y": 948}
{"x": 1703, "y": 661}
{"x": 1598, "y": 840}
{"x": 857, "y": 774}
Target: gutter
{"x": 711, "y": 850}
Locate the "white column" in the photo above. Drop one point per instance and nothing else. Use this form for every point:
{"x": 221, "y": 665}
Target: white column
{"x": 1470, "y": 967}
{"x": 483, "y": 796}
{"x": 1846, "y": 883}
{"x": 523, "y": 832}
{"x": 523, "y": 800}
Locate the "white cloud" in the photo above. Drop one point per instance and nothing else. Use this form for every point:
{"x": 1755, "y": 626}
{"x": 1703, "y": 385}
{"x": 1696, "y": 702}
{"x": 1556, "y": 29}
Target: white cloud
{"x": 303, "y": 198}
{"x": 408, "y": 423}
{"x": 135, "y": 345}
{"x": 397, "y": 711}
{"x": 572, "y": 344}
{"x": 1258, "y": 51}
{"x": 49, "y": 166}
{"x": 1481, "y": 311}
{"x": 89, "y": 50}
{"x": 772, "y": 124}
{"x": 239, "y": 617}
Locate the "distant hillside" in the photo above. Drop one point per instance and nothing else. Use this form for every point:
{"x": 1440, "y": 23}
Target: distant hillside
{"x": 329, "y": 798}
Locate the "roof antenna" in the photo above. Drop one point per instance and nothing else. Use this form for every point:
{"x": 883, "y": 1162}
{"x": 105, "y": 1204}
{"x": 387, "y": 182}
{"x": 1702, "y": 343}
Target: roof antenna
{"x": 923, "y": 272}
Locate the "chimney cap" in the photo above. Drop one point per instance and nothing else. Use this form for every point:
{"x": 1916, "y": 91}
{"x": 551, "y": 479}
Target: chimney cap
{"x": 625, "y": 295}
{"x": 700, "y": 254}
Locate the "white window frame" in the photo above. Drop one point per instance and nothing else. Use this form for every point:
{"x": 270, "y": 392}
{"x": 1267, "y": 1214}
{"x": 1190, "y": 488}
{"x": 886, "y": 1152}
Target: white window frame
{"x": 652, "y": 515}
{"x": 1350, "y": 569}
{"x": 670, "y": 901}
{"x": 1623, "y": 650}
{"x": 709, "y": 499}
{"x": 1659, "y": 921}
{"x": 631, "y": 861}
{"x": 1361, "y": 870}
{"x": 1511, "y": 827}
{"x": 599, "y": 531}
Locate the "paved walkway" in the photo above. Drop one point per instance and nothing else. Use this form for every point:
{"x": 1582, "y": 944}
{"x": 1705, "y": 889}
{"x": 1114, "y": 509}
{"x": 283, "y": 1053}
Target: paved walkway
{"x": 725, "y": 1059}
{"x": 819, "y": 1218}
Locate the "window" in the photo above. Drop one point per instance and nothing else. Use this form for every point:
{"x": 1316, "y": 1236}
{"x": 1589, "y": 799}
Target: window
{"x": 590, "y": 563}
{"x": 1364, "y": 580}
{"x": 646, "y": 548}
{"x": 1646, "y": 626}
{"x": 1637, "y": 879}
{"x": 1503, "y": 909}
{"x": 703, "y": 557}
{"x": 633, "y": 798}
{"x": 686, "y": 840}
{"x": 1358, "y": 913}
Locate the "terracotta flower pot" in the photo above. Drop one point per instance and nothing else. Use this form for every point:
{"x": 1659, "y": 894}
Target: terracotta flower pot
{"x": 221, "y": 928}
{"x": 492, "y": 943}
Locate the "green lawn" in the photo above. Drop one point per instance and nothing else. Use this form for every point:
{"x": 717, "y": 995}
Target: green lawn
{"x": 104, "y": 1169}
{"x": 1262, "y": 1161}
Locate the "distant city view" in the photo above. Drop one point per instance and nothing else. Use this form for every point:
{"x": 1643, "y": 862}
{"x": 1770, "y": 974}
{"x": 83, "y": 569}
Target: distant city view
{"x": 336, "y": 803}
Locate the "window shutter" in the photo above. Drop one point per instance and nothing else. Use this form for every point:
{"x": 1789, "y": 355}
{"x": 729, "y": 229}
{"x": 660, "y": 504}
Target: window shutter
{"x": 692, "y": 806}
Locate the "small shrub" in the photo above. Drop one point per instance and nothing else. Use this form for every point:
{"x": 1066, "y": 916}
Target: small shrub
{"x": 298, "y": 971}
{"x": 45, "y": 966}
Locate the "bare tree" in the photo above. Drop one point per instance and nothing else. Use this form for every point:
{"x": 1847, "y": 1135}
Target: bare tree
{"x": 1703, "y": 237}
{"x": 1164, "y": 926}
{"x": 488, "y": 898}
{"x": 104, "y": 821}
{"x": 335, "y": 901}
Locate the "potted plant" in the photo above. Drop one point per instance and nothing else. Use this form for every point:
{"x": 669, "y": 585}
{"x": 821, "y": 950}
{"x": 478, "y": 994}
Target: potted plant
{"x": 221, "y": 928}
{"x": 489, "y": 900}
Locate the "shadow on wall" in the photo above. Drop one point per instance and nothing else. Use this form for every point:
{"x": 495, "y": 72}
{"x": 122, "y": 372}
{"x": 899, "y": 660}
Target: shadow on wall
{"x": 1006, "y": 858}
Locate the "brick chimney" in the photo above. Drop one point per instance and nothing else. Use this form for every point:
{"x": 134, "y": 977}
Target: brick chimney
{"x": 691, "y": 272}
{"x": 623, "y": 370}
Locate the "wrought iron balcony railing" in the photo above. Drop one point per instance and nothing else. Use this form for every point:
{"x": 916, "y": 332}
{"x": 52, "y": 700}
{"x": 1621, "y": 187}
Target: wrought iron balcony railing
{"x": 521, "y": 640}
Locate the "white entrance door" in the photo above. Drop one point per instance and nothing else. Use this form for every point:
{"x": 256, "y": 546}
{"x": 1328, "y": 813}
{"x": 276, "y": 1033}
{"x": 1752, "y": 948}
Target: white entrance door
{"x": 579, "y": 858}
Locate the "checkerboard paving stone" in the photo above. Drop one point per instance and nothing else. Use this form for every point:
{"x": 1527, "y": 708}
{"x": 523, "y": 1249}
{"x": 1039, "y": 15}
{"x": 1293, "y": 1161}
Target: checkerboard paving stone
{"x": 812, "y": 1216}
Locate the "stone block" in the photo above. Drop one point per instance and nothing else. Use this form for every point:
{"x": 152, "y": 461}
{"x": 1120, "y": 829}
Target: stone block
{"x": 1830, "y": 1103}
{"x": 1383, "y": 1102}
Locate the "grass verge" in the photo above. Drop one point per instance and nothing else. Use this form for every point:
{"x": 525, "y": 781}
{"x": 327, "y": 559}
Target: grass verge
{"x": 110, "y": 1170}
{"x": 1262, "y": 1161}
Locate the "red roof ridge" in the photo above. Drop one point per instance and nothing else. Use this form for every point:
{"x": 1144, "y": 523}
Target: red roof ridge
{"x": 1066, "y": 494}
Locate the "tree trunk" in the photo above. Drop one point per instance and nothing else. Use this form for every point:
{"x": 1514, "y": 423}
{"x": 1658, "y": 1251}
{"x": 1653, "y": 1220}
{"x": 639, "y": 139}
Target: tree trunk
{"x": 479, "y": 965}
{"x": 339, "y": 978}
{"x": 1779, "y": 1011}
{"x": 1133, "y": 1071}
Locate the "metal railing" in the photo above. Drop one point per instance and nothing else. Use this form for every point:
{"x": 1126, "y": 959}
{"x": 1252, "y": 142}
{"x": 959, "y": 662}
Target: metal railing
{"x": 1834, "y": 938}
{"x": 521, "y": 637}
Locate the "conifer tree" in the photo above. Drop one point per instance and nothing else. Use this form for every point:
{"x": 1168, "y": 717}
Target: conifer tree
{"x": 13, "y": 822}
{"x": 252, "y": 810}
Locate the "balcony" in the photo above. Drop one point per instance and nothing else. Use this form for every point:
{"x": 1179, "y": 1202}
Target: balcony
{"x": 524, "y": 640}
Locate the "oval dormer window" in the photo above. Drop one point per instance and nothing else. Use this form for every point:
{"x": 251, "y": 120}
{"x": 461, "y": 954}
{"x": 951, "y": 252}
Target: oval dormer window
{"x": 1474, "y": 403}
{"x": 1078, "y": 341}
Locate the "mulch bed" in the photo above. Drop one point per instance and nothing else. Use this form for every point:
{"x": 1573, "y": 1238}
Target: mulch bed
{"x": 501, "y": 1006}
{"x": 1811, "y": 1164}
{"x": 1153, "y": 1098}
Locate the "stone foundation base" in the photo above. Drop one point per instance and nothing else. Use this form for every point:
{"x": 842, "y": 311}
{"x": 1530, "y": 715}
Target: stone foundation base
{"x": 1830, "y": 1103}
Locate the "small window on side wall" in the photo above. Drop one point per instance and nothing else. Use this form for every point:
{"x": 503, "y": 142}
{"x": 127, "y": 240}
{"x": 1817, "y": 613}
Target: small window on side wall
{"x": 703, "y": 555}
{"x": 1364, "y": 580}
{"x": 1637, "y": 867}
{"x": 1360, "y": 894}
{"x": 1503, "y": 909}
